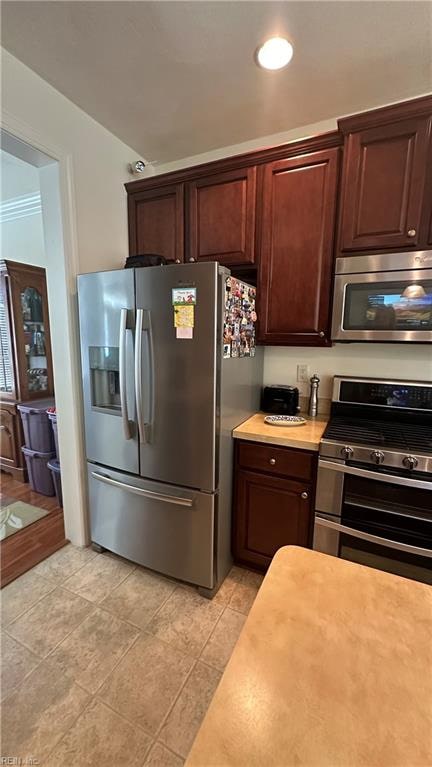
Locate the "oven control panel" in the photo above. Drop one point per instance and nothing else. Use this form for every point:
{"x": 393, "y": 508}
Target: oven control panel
{"x": 397, "y": 394}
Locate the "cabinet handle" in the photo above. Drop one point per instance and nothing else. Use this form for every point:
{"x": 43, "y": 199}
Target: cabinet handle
{"x": 272, "y": 461}
{"x": 304, "y": 495}
{"x": 177, "y": 261}
{"x": 321, "y": 334}
{"x": 192, "y": 260}
{"x": 411, "y": 232}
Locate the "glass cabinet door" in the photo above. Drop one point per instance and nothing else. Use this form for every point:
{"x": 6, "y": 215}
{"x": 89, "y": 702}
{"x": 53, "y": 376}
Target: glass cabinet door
{"x": 34, "y": 340}
{"x": 7, "y": 381}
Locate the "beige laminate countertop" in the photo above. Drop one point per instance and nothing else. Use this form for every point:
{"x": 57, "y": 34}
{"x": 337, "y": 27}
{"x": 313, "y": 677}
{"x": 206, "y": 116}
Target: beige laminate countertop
{"x": 306, "y": 437}
{"x": 333, "y": 668}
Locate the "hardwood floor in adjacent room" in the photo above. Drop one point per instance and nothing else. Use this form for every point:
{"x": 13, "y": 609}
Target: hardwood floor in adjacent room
{"x": 32, "y": 544}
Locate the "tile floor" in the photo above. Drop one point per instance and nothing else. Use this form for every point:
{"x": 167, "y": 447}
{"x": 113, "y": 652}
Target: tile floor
{"x": 104, "y": 662}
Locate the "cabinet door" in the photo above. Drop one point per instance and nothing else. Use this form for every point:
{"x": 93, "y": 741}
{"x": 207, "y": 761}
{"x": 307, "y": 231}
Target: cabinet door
{"x": 156, "y": 222}
{"x": 8, "y": 446}
{"x": 383, "y": 182}
{"x": 297, "y": 217}
{"x": 221, "y": 217}
{"x": 31, "y": 331}
{"x": 7, "y": 367}
{"x": 269, "y": 512}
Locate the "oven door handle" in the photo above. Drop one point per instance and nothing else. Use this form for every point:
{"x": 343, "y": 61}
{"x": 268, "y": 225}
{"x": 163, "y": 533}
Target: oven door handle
{"x": 405, "y": 547}
{"x": 375, "y": 476}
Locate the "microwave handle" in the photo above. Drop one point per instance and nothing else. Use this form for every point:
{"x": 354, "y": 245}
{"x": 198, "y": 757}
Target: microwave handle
{"x": 405, "y": 547}
{"x": 375, "y": 476}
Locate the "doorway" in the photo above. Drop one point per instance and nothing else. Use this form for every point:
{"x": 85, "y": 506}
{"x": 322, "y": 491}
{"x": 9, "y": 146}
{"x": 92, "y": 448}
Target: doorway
{"x": 32, "y": 523}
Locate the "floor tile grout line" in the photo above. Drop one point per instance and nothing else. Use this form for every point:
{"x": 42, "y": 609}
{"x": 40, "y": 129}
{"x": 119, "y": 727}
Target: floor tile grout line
{"x": 130, "y": 722}
{"x": 68, "y": 729}
{"x": 168, "y": 748}
{"x": 165, "y": 719}
{"x": 47, "y": 577}
{"x": 52, "y": 651}
{"x": 212, "y": 631}
{"x": 89, "y": 600}
{"x": 134, "y": 641}
{"x": 17, "y": 686}
{"x": 32, "y": 604}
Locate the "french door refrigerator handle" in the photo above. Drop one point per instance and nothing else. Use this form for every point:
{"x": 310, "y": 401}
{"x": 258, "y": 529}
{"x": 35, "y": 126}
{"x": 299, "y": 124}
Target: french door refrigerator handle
{"x": 147, "y": 327}
{"x": 405, "y": 547}
{"x": 122, "y": 374}
{"x": 141, "y": 491}
{"x": 138, "y": 375}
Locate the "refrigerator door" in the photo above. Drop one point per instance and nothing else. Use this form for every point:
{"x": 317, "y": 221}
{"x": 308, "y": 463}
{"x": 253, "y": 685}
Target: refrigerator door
{"x": 177, "y": 373}
{"x": 107, "y": 321}
{"x": 168, "y": 529}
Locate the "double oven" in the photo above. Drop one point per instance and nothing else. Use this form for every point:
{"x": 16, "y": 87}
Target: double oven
{"x": 374, "y": 488}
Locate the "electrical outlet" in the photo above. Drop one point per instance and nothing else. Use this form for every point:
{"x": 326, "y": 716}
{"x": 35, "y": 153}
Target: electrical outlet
{"x": 303, "y": 373}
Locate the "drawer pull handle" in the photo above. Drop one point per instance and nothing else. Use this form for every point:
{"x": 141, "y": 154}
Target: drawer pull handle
{"x": 304, "y": 495}
{"x": 411, "y": 232}
{"x": 272, "y": 461}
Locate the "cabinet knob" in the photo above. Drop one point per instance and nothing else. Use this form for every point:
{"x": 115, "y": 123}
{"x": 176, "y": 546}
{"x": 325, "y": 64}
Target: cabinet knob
{"x": 177, "y": 261}
{"x": 411, "y": 232}
{"x": 272, "y": 461}
{"x": 192, "y": 260}
{"x": 321, "y": 334}
{"x": 304, "y": 495}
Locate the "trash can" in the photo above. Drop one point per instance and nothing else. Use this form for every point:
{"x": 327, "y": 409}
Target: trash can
{"x": 40, "y": 477}
{"x": 38, "y": 434}
{"x": 54, "y": 467}
{"x": 52, "y": 415}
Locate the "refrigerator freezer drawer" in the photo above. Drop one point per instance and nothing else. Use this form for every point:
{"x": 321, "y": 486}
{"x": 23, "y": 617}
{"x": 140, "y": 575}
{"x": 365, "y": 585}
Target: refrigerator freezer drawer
{"x": 168, "y": 529}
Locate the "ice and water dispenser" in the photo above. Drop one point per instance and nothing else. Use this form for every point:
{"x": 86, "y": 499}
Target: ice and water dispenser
{"x": 105, "y": 377}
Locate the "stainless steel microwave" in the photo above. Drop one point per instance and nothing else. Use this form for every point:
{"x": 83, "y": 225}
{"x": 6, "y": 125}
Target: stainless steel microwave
{"x": 383, "y": 297}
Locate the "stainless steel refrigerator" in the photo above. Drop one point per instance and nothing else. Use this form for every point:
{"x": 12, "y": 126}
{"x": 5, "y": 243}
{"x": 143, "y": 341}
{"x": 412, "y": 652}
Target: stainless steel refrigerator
{"x": 169, "y": 368}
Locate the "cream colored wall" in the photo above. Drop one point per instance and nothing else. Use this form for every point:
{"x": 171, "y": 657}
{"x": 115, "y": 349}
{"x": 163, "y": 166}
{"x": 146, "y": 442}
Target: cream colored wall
{"x": 407, "y": 361}
{"x": 91, "y": 220}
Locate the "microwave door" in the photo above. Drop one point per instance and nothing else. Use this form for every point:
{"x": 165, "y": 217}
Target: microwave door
{"x": 383, "y": 306}
{"x": 107, "y": 321}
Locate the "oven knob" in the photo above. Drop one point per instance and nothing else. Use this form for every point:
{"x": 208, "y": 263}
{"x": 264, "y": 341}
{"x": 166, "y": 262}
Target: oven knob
{"x": 347, "y": 452}
{"x": 410, "y": 462}
{"x": 377, "y": 456}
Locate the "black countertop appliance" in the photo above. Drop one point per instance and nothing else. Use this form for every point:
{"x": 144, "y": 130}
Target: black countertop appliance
{"x": 280, "y": 400}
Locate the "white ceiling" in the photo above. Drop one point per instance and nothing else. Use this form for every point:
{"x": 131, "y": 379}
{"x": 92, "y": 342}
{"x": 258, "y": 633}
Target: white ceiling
{"x": 173, "y": 79}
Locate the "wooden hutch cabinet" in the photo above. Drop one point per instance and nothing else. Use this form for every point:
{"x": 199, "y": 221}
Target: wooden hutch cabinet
{"x": 26, "y": 362}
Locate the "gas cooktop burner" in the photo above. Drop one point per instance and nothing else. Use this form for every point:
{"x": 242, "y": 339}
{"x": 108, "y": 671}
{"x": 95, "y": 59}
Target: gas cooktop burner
{"x": 387, "y": 424}
{"x": 396, "y": 436}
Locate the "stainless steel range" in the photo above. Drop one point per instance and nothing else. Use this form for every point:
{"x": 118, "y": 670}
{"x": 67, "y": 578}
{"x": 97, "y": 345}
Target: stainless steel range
{"x": 374, "y": 490}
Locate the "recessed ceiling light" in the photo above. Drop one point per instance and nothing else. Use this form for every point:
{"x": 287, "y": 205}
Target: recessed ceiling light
{"x": 275, "y": 53}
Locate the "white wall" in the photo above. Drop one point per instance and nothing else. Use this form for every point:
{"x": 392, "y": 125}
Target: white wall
{"x": 91, "y": 172}
{"x": 280, "y": 363}
{"x": 21, "y": 235}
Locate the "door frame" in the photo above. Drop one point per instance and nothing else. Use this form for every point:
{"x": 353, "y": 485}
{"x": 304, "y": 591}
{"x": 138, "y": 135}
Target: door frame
{"x": 59, "y": 218}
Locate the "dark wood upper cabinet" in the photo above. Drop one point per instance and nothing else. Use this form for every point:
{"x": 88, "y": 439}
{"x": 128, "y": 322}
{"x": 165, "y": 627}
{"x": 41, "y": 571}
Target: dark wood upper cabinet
{"x": 156, "y": 222}
{"x": 384, "y": 187}
{"x": 296, "y": 221}
{"x": 221, "y": 217}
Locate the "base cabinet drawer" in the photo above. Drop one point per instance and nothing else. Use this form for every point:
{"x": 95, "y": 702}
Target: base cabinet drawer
{"x": 283, "y": 461}
{"x": 269, "y": 512}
